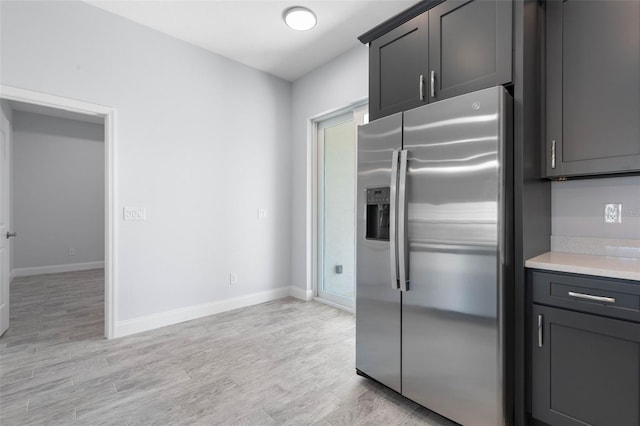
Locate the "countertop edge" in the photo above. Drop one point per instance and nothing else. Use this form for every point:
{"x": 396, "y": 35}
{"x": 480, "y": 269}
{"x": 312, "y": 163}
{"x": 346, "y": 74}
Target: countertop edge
{"x": 619, "y": 268}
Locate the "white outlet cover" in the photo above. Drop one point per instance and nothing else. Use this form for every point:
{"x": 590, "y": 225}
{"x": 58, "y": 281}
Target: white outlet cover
{"x": 134, "y": 213}
{"x": 233, "y": 278}
{"x": 262, "y": 213}
{"x": 613, "y": 213}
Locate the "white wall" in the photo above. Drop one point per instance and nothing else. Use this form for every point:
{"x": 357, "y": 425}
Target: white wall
{"x": 202, "y": 142}
{"x": 335, "y": 85}
{"x": 58, "y": 185}
{"x": 578, "y": 207}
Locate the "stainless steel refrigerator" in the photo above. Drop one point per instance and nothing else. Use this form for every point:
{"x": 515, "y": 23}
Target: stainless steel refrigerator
{"x": 433, "y": 254}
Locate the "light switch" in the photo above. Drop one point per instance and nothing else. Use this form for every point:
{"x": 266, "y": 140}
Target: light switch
{"x": 135, "y": 213}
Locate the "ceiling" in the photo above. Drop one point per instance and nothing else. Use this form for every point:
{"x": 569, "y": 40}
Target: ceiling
{"x": 252, "y": 31}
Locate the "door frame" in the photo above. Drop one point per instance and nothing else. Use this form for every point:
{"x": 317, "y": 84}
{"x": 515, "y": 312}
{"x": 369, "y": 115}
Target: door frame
{"x": 109, "y": 115}
{"x": 316, "y": 227}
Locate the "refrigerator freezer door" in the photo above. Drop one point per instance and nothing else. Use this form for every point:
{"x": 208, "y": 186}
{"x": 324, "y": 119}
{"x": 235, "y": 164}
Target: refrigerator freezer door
{"x": 451, "y": 330}
{"x": 377, "y": 304}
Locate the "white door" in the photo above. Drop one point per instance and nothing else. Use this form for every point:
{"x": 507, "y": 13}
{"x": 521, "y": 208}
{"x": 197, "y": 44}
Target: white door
{"x": 5, "y": 134}
{"x": 336, "y": 190}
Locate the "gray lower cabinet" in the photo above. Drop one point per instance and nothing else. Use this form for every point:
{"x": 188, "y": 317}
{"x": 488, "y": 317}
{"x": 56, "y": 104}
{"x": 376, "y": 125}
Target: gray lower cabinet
{"x": 457, "y": 47}
{"x": 586, "y": 369}
{"x": 585, "y": 350}
{"x": 592, "y": 87}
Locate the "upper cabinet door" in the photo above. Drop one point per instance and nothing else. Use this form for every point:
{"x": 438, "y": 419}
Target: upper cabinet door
{"x": 593, "y": 87}
{"x": 398, "y": 62}
{"x": 469, "y": 46}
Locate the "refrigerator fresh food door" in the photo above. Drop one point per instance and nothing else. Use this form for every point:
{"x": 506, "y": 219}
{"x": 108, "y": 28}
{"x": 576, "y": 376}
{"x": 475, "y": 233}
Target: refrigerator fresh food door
{"x": 452, "y": 338}
{"x": 377, "y": 303}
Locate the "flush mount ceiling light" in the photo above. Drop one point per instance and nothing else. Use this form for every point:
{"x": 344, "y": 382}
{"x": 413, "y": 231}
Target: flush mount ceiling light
{"x": 299, "y": 18}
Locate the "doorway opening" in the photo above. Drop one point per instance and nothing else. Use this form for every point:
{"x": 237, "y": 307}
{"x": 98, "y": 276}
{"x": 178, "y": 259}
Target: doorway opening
{"x": 335, "y": 205}
{"x": 70, "y": 144}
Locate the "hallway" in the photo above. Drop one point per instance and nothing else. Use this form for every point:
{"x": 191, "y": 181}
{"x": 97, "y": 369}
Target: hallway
{"x": 55, "y": 308}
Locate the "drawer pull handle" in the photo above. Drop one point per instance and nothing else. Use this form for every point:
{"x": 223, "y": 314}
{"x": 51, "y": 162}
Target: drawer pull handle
{"x": 591, "y": 297}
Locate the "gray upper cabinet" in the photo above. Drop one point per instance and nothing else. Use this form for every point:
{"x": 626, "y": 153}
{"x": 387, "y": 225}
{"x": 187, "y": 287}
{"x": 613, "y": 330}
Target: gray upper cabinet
{"x": 456, "y": 47}
{"x": 469, "y": 46}
{"x": 398, "y": 63}
{"x": 592, "y": 87}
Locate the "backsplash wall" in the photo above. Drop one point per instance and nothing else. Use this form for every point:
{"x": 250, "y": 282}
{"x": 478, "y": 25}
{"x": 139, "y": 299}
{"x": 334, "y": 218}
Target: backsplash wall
{"x": 577, "y": 207}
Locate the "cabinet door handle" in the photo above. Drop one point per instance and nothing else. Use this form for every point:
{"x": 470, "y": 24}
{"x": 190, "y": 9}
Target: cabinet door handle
{"x": 592, "y": 297}
{"x": 421, "y": 87}
{"x": 553, "y": 154}
{"x": 540, "y": 331}
{"x": 433, "y": 84}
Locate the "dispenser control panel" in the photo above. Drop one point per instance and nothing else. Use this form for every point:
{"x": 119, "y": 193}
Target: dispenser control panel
{"x": 378, "y": 195}
{"x": 378, "y": 203}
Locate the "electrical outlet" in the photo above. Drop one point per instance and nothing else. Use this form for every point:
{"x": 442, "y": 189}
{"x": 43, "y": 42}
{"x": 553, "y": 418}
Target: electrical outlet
{"x": 72, "y": 251}
{"x": 233, "y": 278}
{"x": 613, "y": 213}
{"x": 262, "y": 213}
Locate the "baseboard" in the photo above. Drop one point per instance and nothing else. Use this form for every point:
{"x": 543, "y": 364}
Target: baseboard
{"x": 302, "y": 294}
{"x": 55, "y": 269}
{"x": 334, "y": 305}
{"x": 162, "y": 319}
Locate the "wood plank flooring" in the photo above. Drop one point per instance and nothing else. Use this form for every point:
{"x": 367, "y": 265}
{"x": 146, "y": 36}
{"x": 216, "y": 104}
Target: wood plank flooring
{"x": 285, "y": 362}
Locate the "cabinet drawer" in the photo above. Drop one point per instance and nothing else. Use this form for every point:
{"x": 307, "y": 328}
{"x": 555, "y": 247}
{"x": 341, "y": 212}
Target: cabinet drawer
{"x": 612, "y": 298}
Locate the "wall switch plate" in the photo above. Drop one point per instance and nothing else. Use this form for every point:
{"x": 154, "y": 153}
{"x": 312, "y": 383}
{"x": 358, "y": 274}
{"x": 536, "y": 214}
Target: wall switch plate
{"x": 613, "y": 213}
{"x": 262, "y": 213}
{"x": 233, "y": 278}
{"x": 135, "y": 213}
{"x": 72, "y": 251}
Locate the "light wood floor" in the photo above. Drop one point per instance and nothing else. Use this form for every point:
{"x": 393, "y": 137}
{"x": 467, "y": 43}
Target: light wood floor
{"x": 282, "y": 362}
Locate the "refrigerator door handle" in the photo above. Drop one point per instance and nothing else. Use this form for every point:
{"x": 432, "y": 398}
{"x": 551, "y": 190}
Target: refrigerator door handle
{"x": 403, "y": 247}
{"x": 393, "y": 248}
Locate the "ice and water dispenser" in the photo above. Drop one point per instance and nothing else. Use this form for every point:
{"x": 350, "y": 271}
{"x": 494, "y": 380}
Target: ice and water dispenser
{"x": 378, "y": 203}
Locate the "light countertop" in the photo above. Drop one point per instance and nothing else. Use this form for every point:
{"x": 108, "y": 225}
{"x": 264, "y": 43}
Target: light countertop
{"x": 603, "y": 266}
